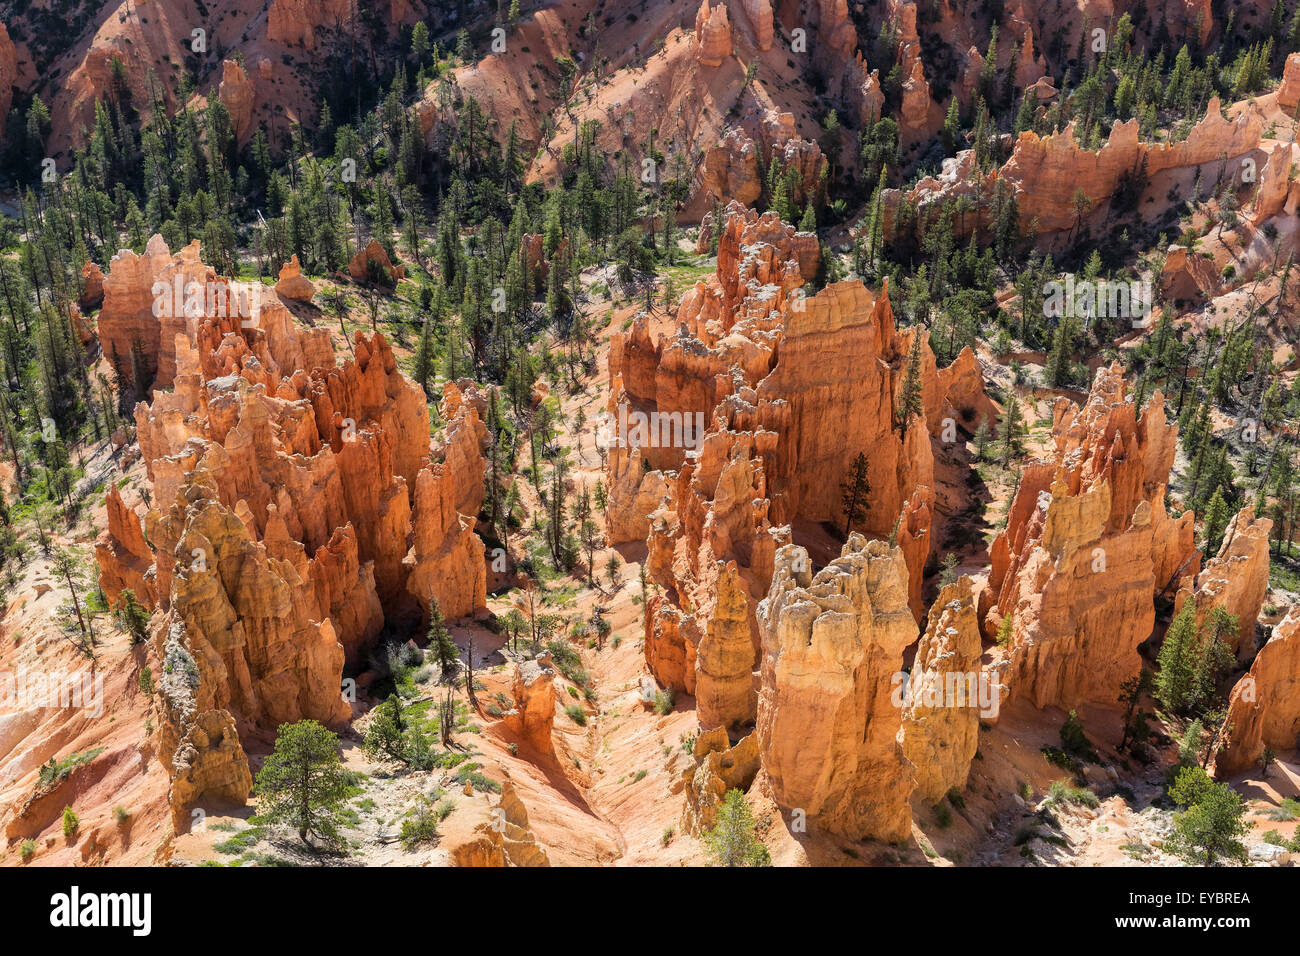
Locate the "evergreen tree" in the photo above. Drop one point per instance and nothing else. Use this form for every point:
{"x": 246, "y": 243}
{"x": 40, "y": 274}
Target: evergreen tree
{"x": 303, "y": 784}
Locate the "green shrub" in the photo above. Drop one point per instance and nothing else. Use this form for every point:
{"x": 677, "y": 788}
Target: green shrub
{"x": 28, "y": 850}
{"x": 577, "y": 714}
{"x": 70, "y": 822}
{"x": 664, "y": 702}
{"x": 1061, "y": 792}
{"x": 421, "y": 826}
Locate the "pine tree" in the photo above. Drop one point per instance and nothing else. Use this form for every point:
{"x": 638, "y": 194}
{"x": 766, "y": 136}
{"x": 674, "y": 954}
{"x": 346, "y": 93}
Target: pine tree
{"x": 440, "y": 643}
{"x": 909, "y": 400}
{"x": 303, "y": 784}
{"x": 1174, "y": 682}
{"x": 854, "y": 491}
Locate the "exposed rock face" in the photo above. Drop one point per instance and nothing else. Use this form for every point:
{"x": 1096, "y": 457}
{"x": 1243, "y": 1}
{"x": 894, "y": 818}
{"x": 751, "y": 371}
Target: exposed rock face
{"x": 1288, "y": 94}
{"x": 1264, "y": 709}
{"x": 208, "y": 763}
{"x": 764, "y": 368}
{"x": 1187, "y": 276}
{"x": 374, "y": 257}
{"x": 724, "y": 662}
{"x": 533, "y": 715}
{"x": 827, "y": 726}
{"x": 295, "y": 22}
{"x": 139, "y": 342}
{"x": 92, "y": 287}
{"x": 296, "y": 509}
{"x": 8, "y": 75}
{"x": 505, "y": 840}
{"x": 237, "y": 94}
{"x": 940, "y": 727}
{"x": 1236, "y": 579}
{"x": 123, "y": 556}
{"x": 1086, "y": 549}
{"x": 717, "y": 768}
{"x": 731, "y": 169}
{"x": 712, "y": 34}
{"x": 1274, "y": 184}
{"x": 293, "y": 284}
{"x": 759, "y": 14}
{"x": 1045, "y": 171}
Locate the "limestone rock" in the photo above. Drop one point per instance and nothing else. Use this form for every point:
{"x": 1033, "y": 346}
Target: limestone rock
{"x": 724, "y": 659}
{"x": 534, "y": 712}
{"x": 716, "y": 767}
{"x": 1288, "y": 94}
{"x": 1264, "y": 707}
{"x": 374, "y": 260}
{"x": 208, "y": 764}
{"x": 92, "y": 287}
{"x": 123, "y": 555}
{"x": 827, "y": 726}
{"x": 1087, "y": 548}
{"x": 506, "y": 840}
{"x": 293, "y": 284}
{"x": 759, "y": 14}
{"x": 712, "y": 34}
{"x": 941, "y": 728}
{"x": 1236, "y": 579}
{"x": 237, "y": 94}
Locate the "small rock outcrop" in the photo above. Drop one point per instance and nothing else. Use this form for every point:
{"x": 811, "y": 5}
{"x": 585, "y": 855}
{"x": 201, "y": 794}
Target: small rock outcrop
{"x": 293, "y": 284}
{"x": 533, "y": 715}
{"x": 505, "y": 840}
{"x": 372, "y": 263}
{"x": 716, "y": 768}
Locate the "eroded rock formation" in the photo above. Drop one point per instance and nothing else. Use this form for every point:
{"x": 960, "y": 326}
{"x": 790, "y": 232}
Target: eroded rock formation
{"x": 712, "y": 34}
{"x": 942, "y": 711}
{"x": 1087, "y": 547}
{"x": 123, "y": 555}
{"x": 533, "y": 715}
{"x": 1045, "y": 172}
{"x": 827, "y": 724}
{"x": 293, "y": 284}
{"x": 506, "y": 840}
{"x": 1264, "y": 708}
{"x": 762, "y": 369}
{"x": 718, "y": 767}
{"x": 295, "y": 509}
{"x": 1236, "y": 579}
{"x": 372, "y": 262}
